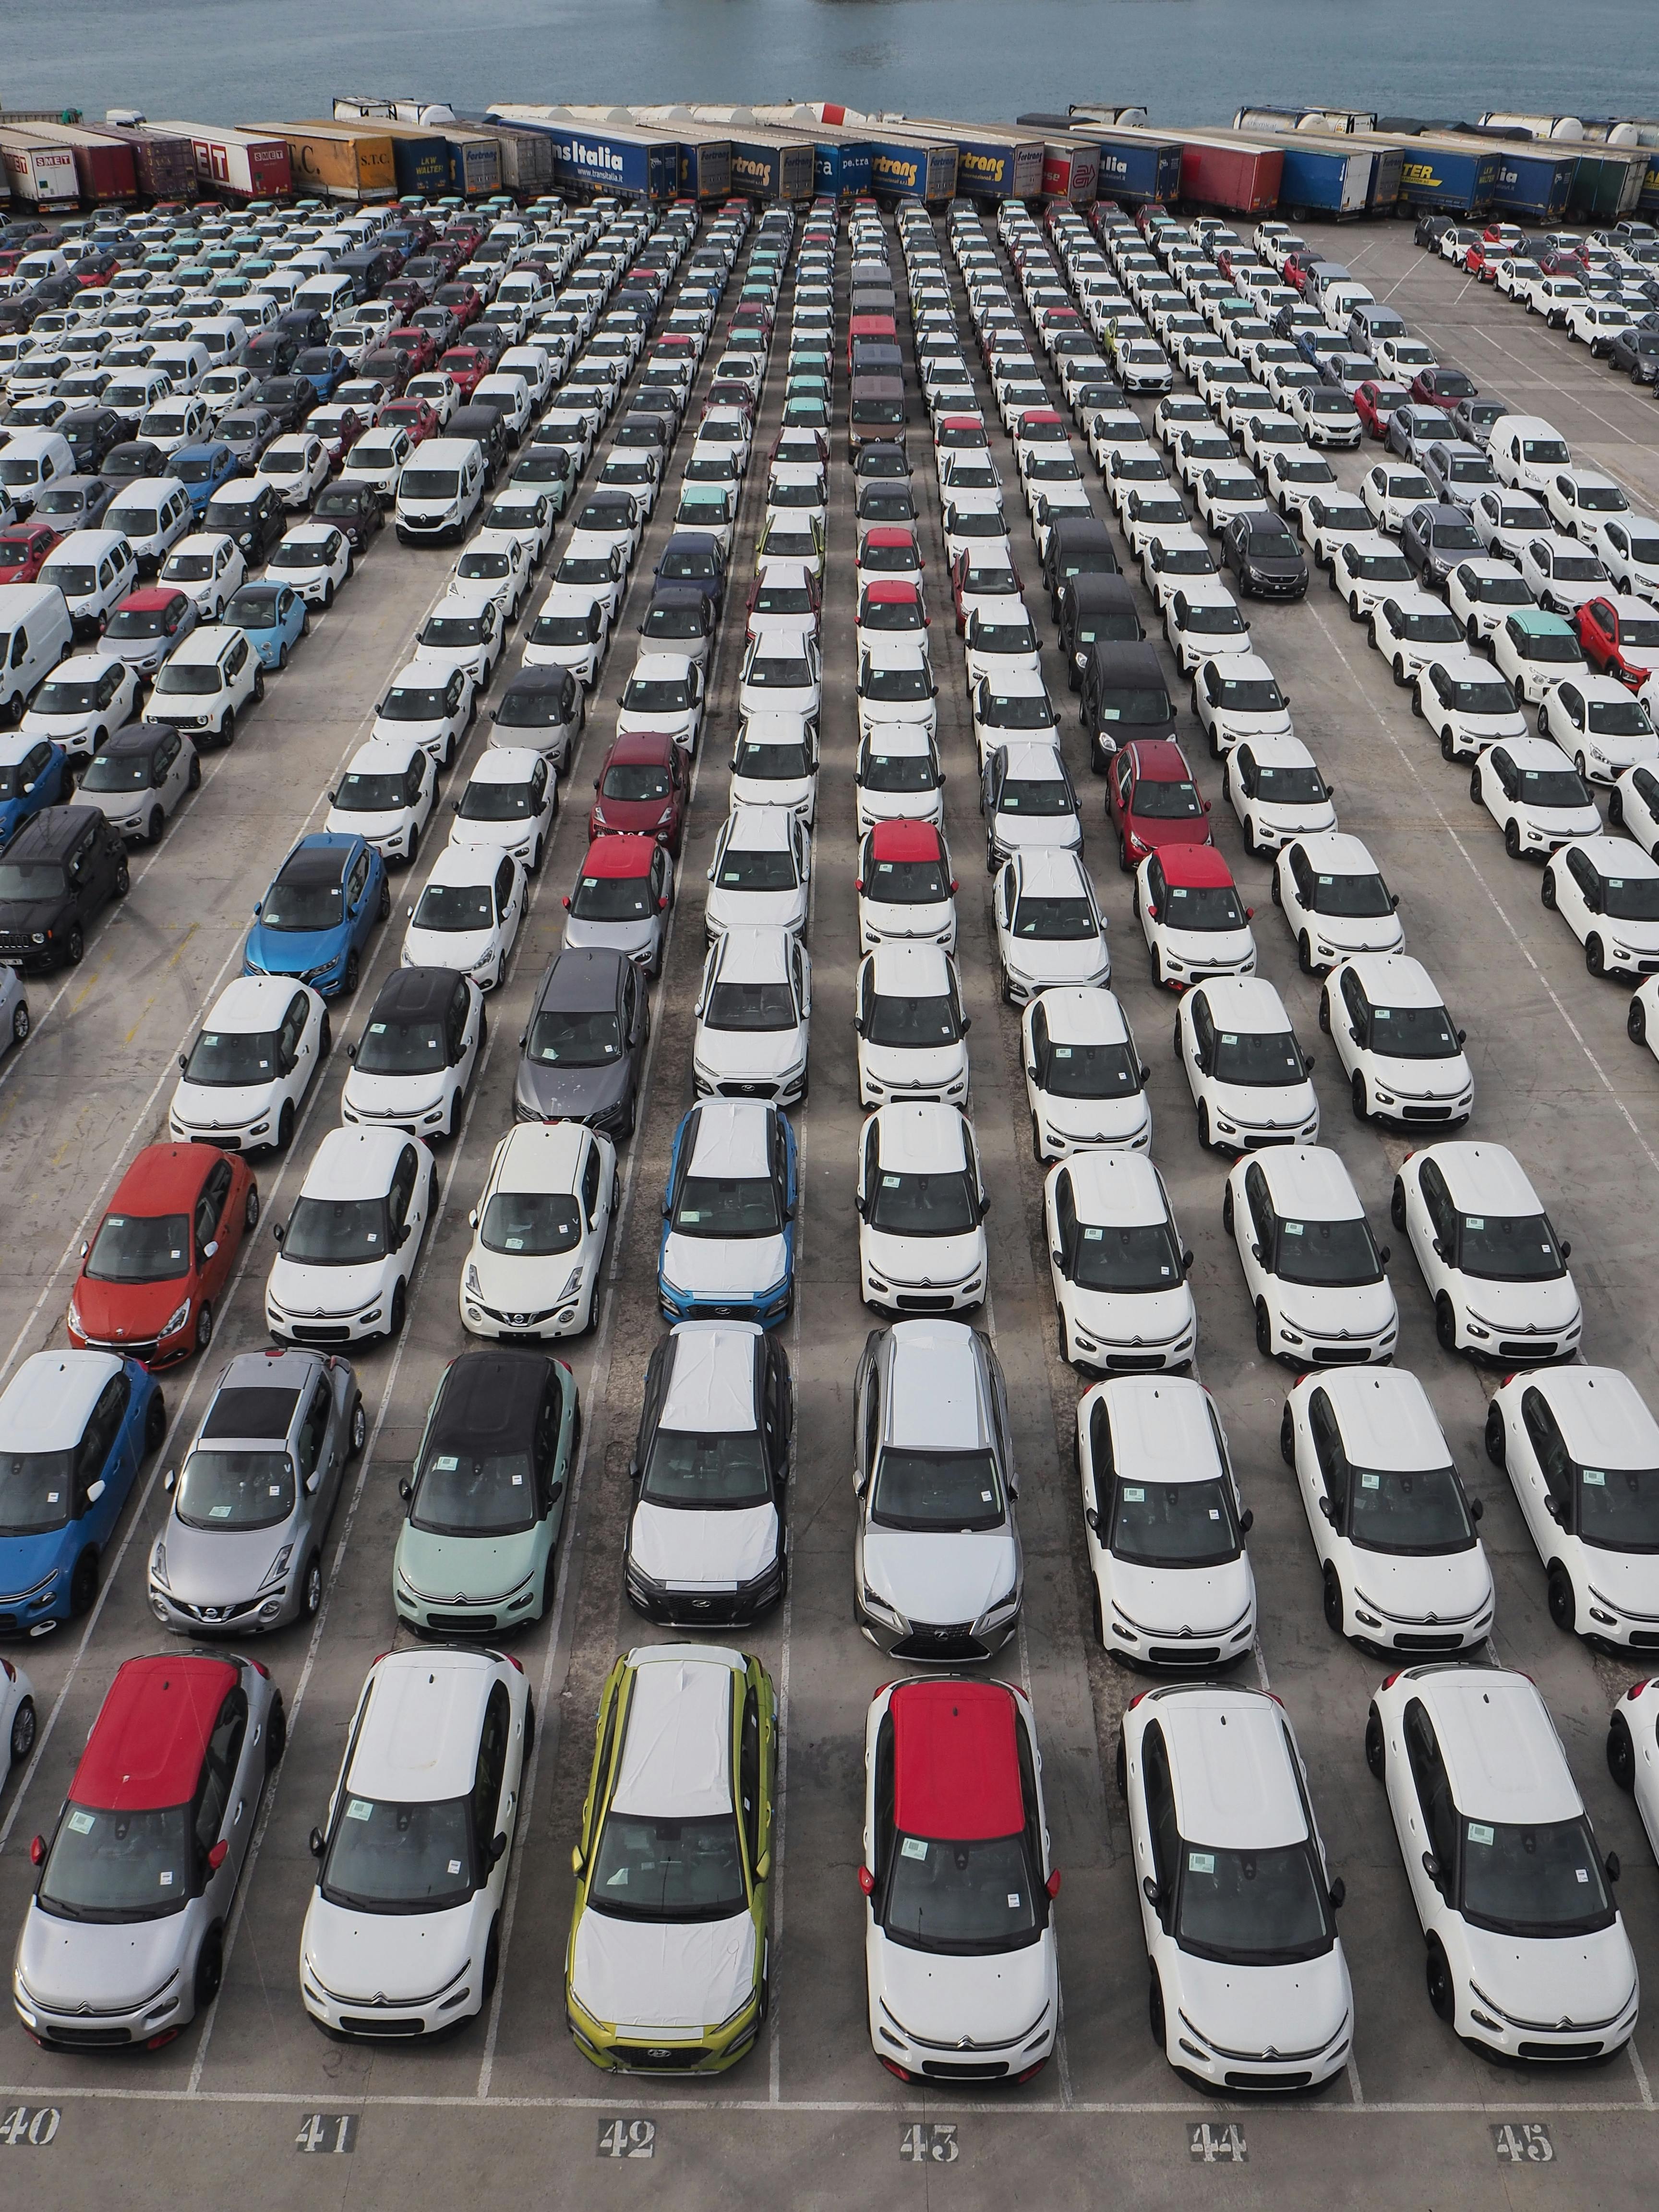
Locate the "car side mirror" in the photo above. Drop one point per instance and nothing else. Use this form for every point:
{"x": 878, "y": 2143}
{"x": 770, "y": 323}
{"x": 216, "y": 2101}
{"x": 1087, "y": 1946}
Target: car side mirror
{"x": 1245, "y": 1521}
{"x": 37, "y": 1850}
{"x": 1477, "y": 1508}
{"x": 278, "y": 1232}
{"x": 95, "y": 1490}
{"x": 405, "y": 1488}
{"x": 314, "y": 1842}
{"x": 1152, "y": 1892}
{"x": 210, "y": 1250}
{"x": 1553, "y": 1507}
{"x": 1338, "y": 1895}
{"x": 497, "y": 1847}
{"x": 218, "y": 1855}
{"x": 1393, "y": 902}
{"x": 257, "y": 905}
{"x": 1328, "y": 1511}
{"x": 1614, "y": 1869}
{"x": 1092, "y": 1518}
{"x": 1431, "y": 1868}
{"x": 1566, "y": 1247}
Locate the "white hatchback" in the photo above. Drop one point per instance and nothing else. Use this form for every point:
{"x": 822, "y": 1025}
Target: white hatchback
{"x": 1335, "y": 901}
{"x": 1597, "y": 723}
{"x": 1313, "y": 1273}
{"x": 414, "y": 1063}
{"x": 1244, "y": 1068}
{"x": 1049, "y": 924}
{"x": 1084, "y": 1078}
{"x": 508, "y": 804}
{"x": 1404, "y": 1060}
{"x": 921, "y": 1206}
{"x": 1488, "y": 1254}
{"x": 911, "y": 1028}
{"x": 245, "y": 1078}
{"x": 539, "y": 1229}
{"x": 1536, "y": 795}
{"x": 468, "y": 915}
{"x": 349, "y": 1249}
{"x": 386, "y": 795}
{"x": 1237, "y": 697}
{"x": 1117, "y": 1266}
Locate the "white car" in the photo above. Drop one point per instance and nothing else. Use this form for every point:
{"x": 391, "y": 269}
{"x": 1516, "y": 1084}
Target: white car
{"x": 1581, "y": 500}
{"x": 1085, "y": 1082}
{"x": 665, "y": 694}
{"x": 463, "y": 631}
{"x": 1249, "y": 1986}
{"x": 1203, "y": 622}
{"x": 207, "y": 566}
{"x": 999, "y": 645}
{"x": 1313, "y": 1272}
{"x": 1395, "y": 1043}
{"x": 246, "y": 1074}
{"x": 502, "y": 569}
{"x": 1409, "y": 627}
{"x": 508, "y": 804}
{"x": 1172, "y": 1586}
{"x": 1224, "y": 489}
{"x": 1328, "y": 524}
{"x": 1275, "y": 787}
{"x": 1536, "y": 795}
{"x": 752, "y": 1022}
{"x": 1335, "y": 899}
{"x": 911, "y": 1028}
{"x": 1390, "y": 490}
{"x": 761, "y": 872}
{"x": 1246, "y": 1071}
{"x": 1606, "y": 891}
{"x": 414, "y": 1064}
{"x": 1028, "y": 802}
{"x": 780, "y": 676}
{"x": 1117, "y": 1266}
{"x": 1191, "y": 916}
{"x": 298, "y": 466}
{"x": 386, "y": 795}
{"x": 377, "y": 460}
{"x": 1580, "y": 1447}
{"x": 468, "y": 915}
{"x": 349, "y": 1247}
{"x": 570, "y": 631}
{"x": 315, "y": 558}
{"x": 520, "y": 519}
{"x": 394, "y": 1944}
{"x": 539, "y": 1231}
{"x": 1504, "y": 519}
{"x": 433, "y": 706}
{"x": 1237, "y": 697}
{"x": 1365, "y": 571}
{"x": 1465, "y": 703}
{"x": 1050, "y": 927}
{"x": 1595, "y": 722}
{"x": 1633, "y": 1750}
{"x": 1629, "y": 548}
{"x": 82, "y": 702}
{"x": 18, "y": 1719}
{"x": 211, "y": 678}
{"x": 921, "y": 1206}
{"x": 1528, "y": 1958}
{"x": 1402, "y": 1566}
{"x": 954, "y": 1833}
{"x": 1495, "y": 1269}
{"x": 775, "y": 763}
{"x": 1633, "y": 806}
{"x": 1560, "y": 572}
{"x": 895, "y": 685}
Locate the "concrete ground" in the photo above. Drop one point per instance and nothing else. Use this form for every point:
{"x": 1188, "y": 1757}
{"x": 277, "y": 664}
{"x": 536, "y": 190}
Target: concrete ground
{"x": 811, "y": 2119}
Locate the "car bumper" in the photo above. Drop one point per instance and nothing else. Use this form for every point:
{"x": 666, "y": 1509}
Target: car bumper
{"x": 627, "y": 2052}
{"x": 1495, "y": 2032}
{"x": 904, "y": 1300}
{"x": 1236, "y": 2071}
{"x": 245, "y": 1617}
{"x": 786, "y": 1090}
{"x": 366, "y": 1325}
{"x": 1416, "y": 1113}
{"x": 1100, "y": 1357}
{"x": 948, "y": 2064}
{"x": 768, "y": 1308}
{"x": 1522, "y": 1347}
{"x": 151, "y": 1352}
{"x": 1247, "y": 1137}
{"x": 250, "y": 1137}
{"x": 436, "y": 1616}
{"x": 146, "y": 2026}
{"x": 688, "y": 1607}
{"x": 364, "y": 2020}
{"x": 932, "y": 1643}
{"x": 425, "y": 1125}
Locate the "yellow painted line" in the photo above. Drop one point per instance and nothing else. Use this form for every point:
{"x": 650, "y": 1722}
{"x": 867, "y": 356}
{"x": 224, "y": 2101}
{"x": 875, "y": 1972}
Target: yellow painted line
{"x": 139, "y": 1024}
{"x": 178, "y": 950}
{"x": 84, "y": 992}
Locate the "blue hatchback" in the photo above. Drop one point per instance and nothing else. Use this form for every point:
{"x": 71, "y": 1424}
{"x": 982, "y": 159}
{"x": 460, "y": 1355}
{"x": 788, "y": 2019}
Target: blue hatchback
{"x": 275, "y": 618}
{"x": 34, "y": 774}
{"x": 202, "y": 470}
{"x": 728, "y": 1235}
{"x": 315, "y": 920}
{"x": 326, "y": 365}
{"x": 74, "y": 1429}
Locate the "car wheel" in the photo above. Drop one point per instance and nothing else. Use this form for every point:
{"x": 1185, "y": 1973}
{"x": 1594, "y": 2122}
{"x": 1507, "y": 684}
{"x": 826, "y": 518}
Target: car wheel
{"x": 1445, "y": 1323}
{"x": 1417, "y": 703}
{"x": 452, "y": 1122}
{"x": 328, "y": 594}
{"x": 155, "y": 1425}
{"x": 227, "y": 727}
{"x": 1376, "y": 1752}
{"x": 258, "y": 685}
{"x": 492, "y": 1965}
{"x": 123, "y": 880}
{"x": 1562, "y": 1604}
{"x": 276, "y": 1732}
{"x": 74, "y": 949}
{"x": 1155, "y": 2015}
{"x": 210, "y": 1968}
{"x": 83, "y": 1584}
{"x": 282, "y": 656}
{"x": 385, "y": 913}
{"x": 23, "y": 1731}
{"x": 395, "y": 1318}
{"x": 1399, "y": 671}
{"x": 358, "y": 1434}
{"x": 1472, "y": 633}
{"x": 1264, "y": 1329}
{"x": 1206, "y": 1142}
{"x": 1443, "y": 1999}
{"x": 1493, "y": 1438}
{"x": 1274, "y": 891}
{"x": 311, "y": 1590}
{"x": 194, "y": 781}
{"x": 204, "y": 1325}
{"x": 1596, "y": 956}
{"x": 1304, "y": 954}
{"x": 324, "y": 1038}
{"x": 285, "y": 1126}
{"x": 1636, "y": 1021}
{"x": 1333, "y": 1599}
{"x": 348, "y": 981}
{"x": 1621, "y": 1752}
{"x": 1546, "y": 890}
{"x": 251, "y": 1211}
{"x": 20, "y": 1022}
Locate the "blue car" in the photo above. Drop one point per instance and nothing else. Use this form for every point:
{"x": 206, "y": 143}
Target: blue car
{"x": 74, "y": 1429}
{"x": 315, "y": 920}
{"x": 275, "y": 618}
{"x": 34, "y": 774}
{"x": 326, "y": 366}
{"x": 728, "y": 1237}
{"x": 202, "y": 470}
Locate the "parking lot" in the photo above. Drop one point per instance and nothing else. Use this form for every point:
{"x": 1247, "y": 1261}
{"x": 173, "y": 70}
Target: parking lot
{"x": 809, "y": 2118}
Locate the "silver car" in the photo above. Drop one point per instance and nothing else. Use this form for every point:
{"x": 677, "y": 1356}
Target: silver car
{"x": 123, "y": 1944}
{"x": 622, "y": 900}
{"x": 242, "y": 1547}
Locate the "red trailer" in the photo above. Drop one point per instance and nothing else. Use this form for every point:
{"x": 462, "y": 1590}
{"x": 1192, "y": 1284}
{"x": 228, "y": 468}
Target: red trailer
{"x": 1235, "y": 175}
{"x": 103, "y": 165}
{"x": 165, "y": 165}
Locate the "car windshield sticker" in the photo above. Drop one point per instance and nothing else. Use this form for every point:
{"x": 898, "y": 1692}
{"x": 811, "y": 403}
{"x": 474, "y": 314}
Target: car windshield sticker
{"x": 1201, "y": 1862}
{"x": 518, "y": 1482}
{"x": 359, "y": 1809}
{"x": 220, "y": 1512}
{"x": 1228, "y": 1037}
{"x": 1583, "y": 1872}
{"x": 1013, "y": 1899}
{"x": 165, "y": 1878}
{"x": 53, "y": 1496}
{"x": 1478, "y": 1834}
{"x": 1475, "y": 1221}
{"x": 445, "y": 1463}
{"x": 1595, "y": 1478}
{"x": 1382, "y": 1013}
{"x": 1062, "y": 1051}
{"x": 1093, "y": 1236}
{"x": 82, "y": 1824}
{"x": 913, "y": 1848}
{"x": 1135, "y": 1493}
{"x": 276, "y": 1490}
{"x": 891, "y": 1182}
{"x": 454, "y": 1866}
{"x": 1370, "y": 1482}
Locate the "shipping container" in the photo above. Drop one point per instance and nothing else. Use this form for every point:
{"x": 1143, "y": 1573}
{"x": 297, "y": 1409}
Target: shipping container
{"x": 994, "y": 163}
{"x": 1236, "y": 175}
{"x": 363, "y": 107}
{"x": 639, "y": 164}
{"x": 337, "y": 160}
{"x": 842, "y": 167}
{"x": 1136, "y": 167}
{"x": 1457, "y": 175}
{"x": 104, "y": 169}
{"x": 705, "y": 150}
{"x": 163, "y": 165}
{"x": 1608, "y": 182}
{"x": 38, "y": 175}
{"x": 1324, "y": 122}
{"x": 250, "y": 164}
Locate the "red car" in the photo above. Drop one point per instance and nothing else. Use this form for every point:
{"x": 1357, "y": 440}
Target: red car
{"x": 406, "y": 294}
{"x": 1479, "y": 254}
{"x": 642, "y": 789}
{"x": 23, "y": 549}
{"x": 1152, "y": 797}
{"x": 1374, "y": 403}
{"x": 464, "y": 301}
{"x": 419, "y": 417}
{"x": 1620, "y": 637}
{"x": 466, "y": 364}
{"x": 892, "y": 603}
{"x": 415, "y": 345}
{"x": 1443, "y": 387}
{"x": 1190, "y": 887}
{"x": 152, "y": 1278}
{"x": 341, "y": 441}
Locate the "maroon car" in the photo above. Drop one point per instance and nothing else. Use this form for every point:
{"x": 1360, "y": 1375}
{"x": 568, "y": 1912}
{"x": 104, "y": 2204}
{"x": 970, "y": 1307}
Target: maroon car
{"x": 640, "y": 790}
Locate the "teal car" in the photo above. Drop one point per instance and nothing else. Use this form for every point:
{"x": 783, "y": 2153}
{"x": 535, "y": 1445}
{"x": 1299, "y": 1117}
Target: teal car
{"x": 711, "y": 507}
{"x": 485, "y": 1502}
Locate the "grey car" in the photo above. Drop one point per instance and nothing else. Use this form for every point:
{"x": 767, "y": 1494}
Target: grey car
{"x": 74, "y": 503}
{"x": 140, "y": 777}
{"x": 242, "y": 1547}
{"x": 1412, "y": 429}
{"x": 627, "y": 911}
{"x": 544, "y": 707}
{"x": 581, "y": 1056}
{"x": 1434, "y": 538}
{"x": 1457, "y": 470}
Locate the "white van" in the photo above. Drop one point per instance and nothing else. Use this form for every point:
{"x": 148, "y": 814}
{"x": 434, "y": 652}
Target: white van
{"x": 1338, "y": 301}
{"x": 187, "y": 363}
{"x": 152, "y": 513}
{"x": 30, "y": 460}
{"x": 440, "y": 491}
{"x": 329, "y": 296}
{"x": 93, "y": 570}
{"x": 283, "y": 285}
{"x": 1525, "y": 451}
{"x": 35, "y": 635}
{"x": 223, "y": 338}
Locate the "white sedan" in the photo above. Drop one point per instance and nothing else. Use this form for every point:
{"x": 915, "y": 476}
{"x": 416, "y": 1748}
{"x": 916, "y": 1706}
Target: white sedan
{"x": 1390, "y": 490}
{"x": 539, "y": 1231}
{"x": 1313, "y": 1272}
{"x": 246, "y": 1076}
{"x": 1481, "y": 591}
{"x": 1244, "y": 1068}
{"x": 1117, "y": 1266}
{"x": 315, "y": 558}
{"x": 1560, "y": 572}
{"x": 468, "y": 915}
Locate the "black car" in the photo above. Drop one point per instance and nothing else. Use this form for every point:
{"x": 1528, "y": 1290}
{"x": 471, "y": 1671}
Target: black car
{"x": 1124, "y": 699}
{"x": 649, "y": 429}
{"x": 308, "y": 325}
{"x": 132, "y": 458}
{"x": 56, "y": 876}
{"x": 882, "y": 457}
{"x": 1094, "y": 611}
{"x": 1635, "y": 352}
{"x": 353, "y": 509}
{"x": 1434, "y": 538}
{"x": 1259, "y": 549}
{"x": 1431, "y": 227}
{"x": 679, "y": 619}
{"x": 272, "y": 352}
{"x": 92, "y": 433}
{"x": 257, "y": 525}
{"x": 1080, "y": 546}
{"x": 290, "y": 399}
{"x": 581, "y": 1053}
{"x": 488, "y": 428}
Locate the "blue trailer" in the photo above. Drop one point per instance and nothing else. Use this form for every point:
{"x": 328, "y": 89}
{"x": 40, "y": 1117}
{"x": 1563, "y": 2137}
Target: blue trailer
{"x": 1535, "y": 182}
{"x": 1449, "y": 174}
{"x": 991, "y": 164}
{"x": 913, "y": 168}
{"x": 420, "y": 159}
{"x": 775, "y": 167}
{"x": 639, "y": 164}
{"x": 842, "y": 166}
{"x": 705, "y": 168}
{"x": 1136, "y": 167}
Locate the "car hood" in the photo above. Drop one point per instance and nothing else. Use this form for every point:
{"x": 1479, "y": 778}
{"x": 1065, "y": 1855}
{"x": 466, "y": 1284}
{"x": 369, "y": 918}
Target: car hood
{"x": 630, "y": 817}
{"x": 573, "y": 1093}
{"x": 402, "y": 1957}
{"x": 1056, "y": 961}
{"x": 721, "y": 1267}
{"x": 923, "y": 1260}
{"x": 1630, "y": 1579}
{"x": 707, "y": 1551}
{"x": 921, "y": 1067}
{"x": 1379, "y": 933}
{"x": 977, "y": 2002}
{"x": 1094, "y": 1121}
{"x": 1296, "y": 821}
{"x": 1267, "y": 2012}
{"x": 128, "y": 1310}
{"x": 303, "y": 1289}
{"x": 1222, "y": 947}
{"x": 114, "y": 1967}
{"x": 221, "y": 1566}
{"x": 1030, "y": 832}
{"x": 21, "y": 916}
{"x": 662, "y": 1974}
{"x": 465, "y": 1570}
{"x": 456, "y": 948}
{"x": 1591, "y": 1979}
{"x": 943, "y": 1578}
{"x": 1450, "y": 1588}
{"x": 1285, "y": 1106}
{"x": 291, "y": 952}
{"x": 785, "y": 910}
{"x": 1133, "y": 1317}
{"x": 744, "y": 1056}
{"x": 390, "y": 1095}
{"x": 522, "y": 1285}
{"x": 628, "y": 936}
{"x": 1424, "y": 1079}
{"x": 1178, "y": 1603}
{"x": 1552, "y": 1305}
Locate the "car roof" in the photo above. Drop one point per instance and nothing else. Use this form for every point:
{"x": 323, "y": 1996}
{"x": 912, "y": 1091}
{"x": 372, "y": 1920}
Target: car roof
{"x": 1160, "y": 760}
{"x": 731, "y": 1138}
{"x": 582, "y": 979}
{"x": 1082, "y": 1013}
{"x": 1310, "y": 1181}
{"x": 757, "y": 828}
{"x": 1032, "y": 760}
{"x": 1617, "y": 857}
{"x": 1487, "y": 1178}
{"x": 1048, "y": 868}
{"x": 914, "y": 970}
{"x": 539, "y": 1156}
{"x": 641, "y": 746}
{"x": 921, "y": 1137}
{"x": 1386, "y": 1418}
{"x": 1161, "y": 1425}
{"x": 956, "y": 1760}
{"x": 1502, "y": 1756}
{"x": 1249, "y": 1003}
{"x": 46, "y": 1404}
{"x": 711, "y": 1385}
{"x": 754, "y": 955}
{"x": 1539, "y": 622}
{"x": 162, "y": 1178}
{"x": 467, "y": 864}
{"x": 904, "y": 840}
{"x": 1604, "y": 1417}
{"x": 321, "y": 858}
{"x": 613, "y": 857}
{"x": 415, "y": 995}
{"x": 152, "y": 599}
{"x": 1231, "y": 1766}
{"x": 418, "y": 1741}
{"x": 1119, "y": 1188}
{"x": 147, "y": 1745}
{"x": 1394, "y": 979}
{"x": 675, "y": 1756}
{"x": 350, "y": 1163}
{"x": 1334, "y": 852}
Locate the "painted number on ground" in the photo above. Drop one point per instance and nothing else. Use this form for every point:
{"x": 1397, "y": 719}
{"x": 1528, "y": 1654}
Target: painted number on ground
{"x": 1523, "y": 2143}
{"x": 627, "y": 2139}
{"x": 334, "y": 2133}
{"x": 931, "y": 2142}
{"x": 29, "y": 2127}
{"x": 1210, "y": 2145}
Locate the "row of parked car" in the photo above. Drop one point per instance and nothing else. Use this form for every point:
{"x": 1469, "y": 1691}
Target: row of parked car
{"x": 1602, "y": 288}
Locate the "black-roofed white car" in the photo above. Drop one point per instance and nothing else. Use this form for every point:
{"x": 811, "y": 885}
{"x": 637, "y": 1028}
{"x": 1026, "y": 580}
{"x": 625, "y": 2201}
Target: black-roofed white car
{"x": 246, "y": 1076}
{"x": 1536, "y": 795}
{"x": 1488, "y": 1254}
{"x": 1117, "y": 1266}
{"x": 539, "y": 1234}
{"x": 1244, "y": 1068}
{"x": 1313, "y": 1272}
{"x": 413, "y": 1065}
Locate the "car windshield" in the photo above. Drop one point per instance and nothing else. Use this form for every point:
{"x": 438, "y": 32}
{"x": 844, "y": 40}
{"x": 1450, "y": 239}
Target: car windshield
{"x": 1201, "y": 906}
{"x": 461, "y": 1492}
{"x": 140, "y": 1248}
{"x": 455, "y": 907}
{"x": 232, "y": 1489}
{"x": 913, "y": 1023}
{"x": 751, "y": 1007}
{"x": 670, "y": 695}
{"x": 1542, "y": 1880}
{"x": 960, "y": 1491}
{"x": 587, "y": 1038}
{"x": 900, "y": 560}
{"x": 781, "y": 672}
{"x": 968, "y": 1898}
{"x": 1554, "y": 786}
{"x": 120, "y": 1866}
{"x": 1214, "y": 619}
{"x": 360, "y": 793}
{"x": 36, "y": 1490}
{"x": 897, "y": 771}
{"x": 727, "y": 1206}
{"x": 414, "y": 482}
{"x": 1059, "y": 919}
{"x": 342, "y": 499}
{"x": 412, "y": 1046}
{"x": 1141, "y": 1256}
{"x": 1630, "y": 898}
{"x": 1337, "y": 1254}
{"x": 1174, "y": 1524}
{"x": 1509, "y": 1248}
{"x": 750, "y": 868}
{"x": 1418, "y": 1511}
{"x": 1279, "y": 545}
{"x": 453, "y": 630}
{"x": 1549, "y": 645}
{"x": 1166, "y": 801}
{"x": 1566, "y": 568}
{"x": 1619, "y": 718}
{"x": 336, "y": 1232}
{"x": 613, "y": 898}
{"x": 943, "y": 1204}
{"x": 301, "y": 553}
{"x": 1004, "y": 637}
{"x": 1485, "y": 697}
{"x": 668, "y": 1869}
{"x": 389, "y": 1858}
{"x": 700, "y": 1470}
{"x": 112, "y": 771}
{"x": 495, "y": 802}
{"x": 531, "y": 1223}
{"x": 1259, "y": 1060}
{"x": 1438, "y": 628}
{"x": 1357, "y": 897}
{"x": 1255, "y": 1908}
{"x": 223, "y": 1059}
{"x": 411, "y": 704}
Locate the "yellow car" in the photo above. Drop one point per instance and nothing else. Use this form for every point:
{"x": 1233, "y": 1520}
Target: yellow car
{"x": 665, "y": 1968}
{"x": 792, "y": 537}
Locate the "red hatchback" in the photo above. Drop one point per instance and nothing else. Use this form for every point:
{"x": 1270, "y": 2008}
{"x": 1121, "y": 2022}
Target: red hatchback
{"x": 1374, "y": 403}
{"x": 1620, "y": 637}
{"x": 152, "y": 1278}
{"x": 23, "y": 549}
{"x": 466, "y": 364}
{"x": 892, "y": 603}
{"x": 1152, "y": 797}
{"x": 640, "y": 790}
{"x": 418, "y": 418}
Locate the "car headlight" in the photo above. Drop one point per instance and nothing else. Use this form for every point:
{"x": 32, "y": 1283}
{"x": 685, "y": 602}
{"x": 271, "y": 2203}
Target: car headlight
{"x": 279, "y": 1566}
{"x": 158, "y": 1567}
{"x": 176, "y": 1320}
{"x": 1006, "y": 1604}
{"x": 879, "y": 1609}
{"x": 475, "y": 1288}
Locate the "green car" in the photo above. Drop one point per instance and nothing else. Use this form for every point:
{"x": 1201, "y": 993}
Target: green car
{"x": 666, "y": 1969}
{"x": 807, "y": 385}
{"x": 486, "y": 1500}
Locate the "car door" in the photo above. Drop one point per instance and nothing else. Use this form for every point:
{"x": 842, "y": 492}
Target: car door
{"x": 1325, "y": 1489}
{"x": 1157, "y": 1851}
{"x": 105, "y": 1462}
{"x": 1430, "y": 1817}
{"x": 406, "y": 1209}
{"x": 1433, "y": 1225}
{"x": 508, "y": 903}
{"x": 217, "y": 1232}
{"x": 359, "y": 909}
{"x": 1542, "y": 1477}
{"x": 225, "y": 1805}
{"x": 1258, "y": 1231}
{"x": 320, "y": 1456}
{"x": 169, "y": 770}
{"x": 492, "y": 1802}
{"x": 1577, "y": 890}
